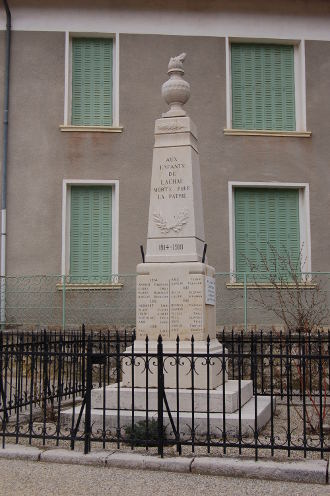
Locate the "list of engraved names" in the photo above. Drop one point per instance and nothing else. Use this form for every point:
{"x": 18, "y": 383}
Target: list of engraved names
{"x": 170, "y": 306}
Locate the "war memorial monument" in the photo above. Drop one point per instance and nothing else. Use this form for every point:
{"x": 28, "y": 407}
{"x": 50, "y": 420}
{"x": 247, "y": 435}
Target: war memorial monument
{"x": 176, "y": 297}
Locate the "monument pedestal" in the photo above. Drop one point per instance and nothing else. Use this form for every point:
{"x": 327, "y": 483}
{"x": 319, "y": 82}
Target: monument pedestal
{"x": 175, "y": 300}
{"x": 177, "y": 367}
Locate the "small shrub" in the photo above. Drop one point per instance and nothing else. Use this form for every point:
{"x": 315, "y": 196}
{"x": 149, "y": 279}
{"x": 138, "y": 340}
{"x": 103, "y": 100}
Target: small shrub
{"x": 140, "y": 435}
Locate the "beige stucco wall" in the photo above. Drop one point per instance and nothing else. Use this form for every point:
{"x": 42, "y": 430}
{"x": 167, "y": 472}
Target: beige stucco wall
{"x": 40, "y": 156}
{"x": 255, "y": 18}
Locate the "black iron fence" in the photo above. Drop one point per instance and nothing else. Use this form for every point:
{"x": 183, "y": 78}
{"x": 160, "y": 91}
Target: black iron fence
{"x": 260, "y": 394}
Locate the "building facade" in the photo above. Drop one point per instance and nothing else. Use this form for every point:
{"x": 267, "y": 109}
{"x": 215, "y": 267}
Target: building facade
{"x": 84, "y": 93}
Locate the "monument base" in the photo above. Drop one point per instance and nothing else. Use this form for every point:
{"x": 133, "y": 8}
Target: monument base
{"x": 177, "y": 368}
{"x": 243, "y": 412}
{"x": 222, "y": 398}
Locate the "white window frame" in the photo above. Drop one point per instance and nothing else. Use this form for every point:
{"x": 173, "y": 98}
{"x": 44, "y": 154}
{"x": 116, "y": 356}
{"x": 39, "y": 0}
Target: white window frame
{"x": 299, "y": 77}
{"x": 304, "y": 218}
{"x": 66, "y": 220}
{"x": 68, "y": 81}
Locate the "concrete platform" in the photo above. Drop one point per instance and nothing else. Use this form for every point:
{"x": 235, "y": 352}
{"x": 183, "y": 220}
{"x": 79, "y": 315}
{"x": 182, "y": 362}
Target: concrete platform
{"x": 216, "y": 419}
{"x": 109, "y": 398}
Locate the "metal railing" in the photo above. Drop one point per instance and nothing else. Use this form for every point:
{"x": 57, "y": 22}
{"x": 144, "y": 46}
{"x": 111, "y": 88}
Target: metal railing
{"x": 53, "y": 301}
{"x": 274, "y": 393}
{"x": 44, "y": 367}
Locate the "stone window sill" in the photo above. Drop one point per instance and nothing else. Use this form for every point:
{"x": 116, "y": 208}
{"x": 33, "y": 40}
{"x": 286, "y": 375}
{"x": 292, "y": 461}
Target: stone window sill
{"x": 91, "y": 129}
{"x": 255, "y": 132}
{"x": 89, "y": 286}
{"x": 267, "y": 285}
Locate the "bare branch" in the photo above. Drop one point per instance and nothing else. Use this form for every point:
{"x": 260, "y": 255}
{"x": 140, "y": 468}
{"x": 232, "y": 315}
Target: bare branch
{"x": 299, "y": 307}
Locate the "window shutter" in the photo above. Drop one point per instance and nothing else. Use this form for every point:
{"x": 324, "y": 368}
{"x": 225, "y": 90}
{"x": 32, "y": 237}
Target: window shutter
{"x": 91, "y": 234}
{"x": 263, "y": 87}
{"x": 92, "y": 81}
{"x": 265, "y": 218}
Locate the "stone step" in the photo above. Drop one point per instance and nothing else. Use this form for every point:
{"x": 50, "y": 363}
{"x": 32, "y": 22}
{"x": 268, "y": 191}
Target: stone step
{"x": 110, "y": 420}
{"x": 185, "y": 398}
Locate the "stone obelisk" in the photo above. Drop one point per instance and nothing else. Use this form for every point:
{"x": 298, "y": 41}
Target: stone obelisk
{"x": 175, "y": 289}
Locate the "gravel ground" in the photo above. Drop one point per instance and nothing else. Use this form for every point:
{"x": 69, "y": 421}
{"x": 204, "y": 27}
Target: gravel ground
{"x": 34, "y": 478}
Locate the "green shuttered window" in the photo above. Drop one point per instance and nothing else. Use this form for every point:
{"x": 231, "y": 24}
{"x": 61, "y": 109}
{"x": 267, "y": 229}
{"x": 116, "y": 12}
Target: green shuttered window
{"x": 91, "y": 234}
{"x": 266, "y": 218}
{"x": 263, "y": 87}
{"x": 92, "y": 81}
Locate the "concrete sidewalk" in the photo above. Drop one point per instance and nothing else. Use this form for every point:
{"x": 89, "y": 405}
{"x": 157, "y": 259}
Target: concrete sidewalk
{"x": 304, "y": 471}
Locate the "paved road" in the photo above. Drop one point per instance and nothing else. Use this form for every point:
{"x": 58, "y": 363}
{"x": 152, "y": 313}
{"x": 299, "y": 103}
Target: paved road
{"x": 23, "y": 478}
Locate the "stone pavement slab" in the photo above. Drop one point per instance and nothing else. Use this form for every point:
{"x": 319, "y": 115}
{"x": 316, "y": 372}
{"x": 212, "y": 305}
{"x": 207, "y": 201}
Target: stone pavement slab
{"x": 19, "y": 452}
{"x": 74, "y": 457}
{"x": 132, "y": 460}
{"x": 304, "y": 471}
{"x": 310, "y": 471}
{"x": 25, "y": 478}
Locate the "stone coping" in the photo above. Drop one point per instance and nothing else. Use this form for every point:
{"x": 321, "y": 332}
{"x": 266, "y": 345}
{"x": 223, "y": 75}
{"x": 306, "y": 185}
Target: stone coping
{"x": 305, "y": 471}
{"x": 91, "y": 129}
{"x": 89, "y": 286}
{"x": 268, "y": 285}
{"x": 266, "y": 132}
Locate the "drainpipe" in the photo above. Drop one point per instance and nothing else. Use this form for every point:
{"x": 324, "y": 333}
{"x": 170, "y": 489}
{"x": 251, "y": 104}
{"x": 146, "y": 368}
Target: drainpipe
{"x": 4, "y": 171}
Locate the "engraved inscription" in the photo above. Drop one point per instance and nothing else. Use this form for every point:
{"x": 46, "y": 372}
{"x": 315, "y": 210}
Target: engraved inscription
{"x": 171, "y": 127}
{"x": 210, "y": 294}
{"x": 173, "y": 247}
{"x": 170, "y": 306}
{"x": 167, "y": 247}
{"x": 171, "y": 184}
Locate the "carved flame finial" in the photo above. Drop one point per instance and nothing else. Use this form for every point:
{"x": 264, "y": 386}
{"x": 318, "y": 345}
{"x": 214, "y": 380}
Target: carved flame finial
{"x": 176, "y": 63}
{"x": 176, "y": 91}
